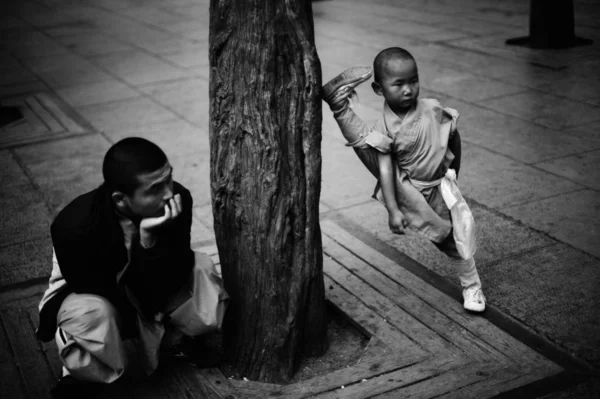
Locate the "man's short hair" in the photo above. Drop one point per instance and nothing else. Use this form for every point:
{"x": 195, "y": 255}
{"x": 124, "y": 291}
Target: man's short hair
{"x": 386, "y": 55}
{"x": 129, "y": 158}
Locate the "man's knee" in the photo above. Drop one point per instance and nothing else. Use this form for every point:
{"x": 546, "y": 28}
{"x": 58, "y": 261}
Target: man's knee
{"x": 81, "y": 313}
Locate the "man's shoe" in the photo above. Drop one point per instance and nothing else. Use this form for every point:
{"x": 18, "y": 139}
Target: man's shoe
{"x": 69, "y": 387}
{"x": 343, "y": 85}
{"x": 192, "y": 351}
{"x": 185, "y": 351}
{"x": 474, "y": 300}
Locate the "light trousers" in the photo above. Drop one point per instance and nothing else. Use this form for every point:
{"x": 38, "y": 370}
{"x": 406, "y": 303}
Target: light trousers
{"x": 88, "y": 335}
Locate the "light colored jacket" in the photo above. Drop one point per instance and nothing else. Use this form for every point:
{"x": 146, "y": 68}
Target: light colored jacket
{"x": 419, "y": 145}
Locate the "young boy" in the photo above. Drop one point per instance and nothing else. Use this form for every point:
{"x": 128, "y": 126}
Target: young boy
{"x": 412, "y": 149}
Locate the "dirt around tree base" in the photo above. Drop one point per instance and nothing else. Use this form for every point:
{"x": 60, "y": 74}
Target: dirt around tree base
{"x": 346, "y": 346}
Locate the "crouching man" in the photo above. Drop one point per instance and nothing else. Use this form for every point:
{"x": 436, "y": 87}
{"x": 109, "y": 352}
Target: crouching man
{"x": 124, "y": 281}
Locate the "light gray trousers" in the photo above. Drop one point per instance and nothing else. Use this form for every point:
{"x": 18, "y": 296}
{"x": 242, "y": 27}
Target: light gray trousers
{"x": 90, "y": 344}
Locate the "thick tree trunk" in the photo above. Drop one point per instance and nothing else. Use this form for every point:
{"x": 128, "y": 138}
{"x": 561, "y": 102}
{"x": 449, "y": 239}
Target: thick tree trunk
{"x": 265, "y": 137}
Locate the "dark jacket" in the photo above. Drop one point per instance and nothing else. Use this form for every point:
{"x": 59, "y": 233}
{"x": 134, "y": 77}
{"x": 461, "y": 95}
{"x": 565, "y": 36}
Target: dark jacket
{"x": 90, "y": 249}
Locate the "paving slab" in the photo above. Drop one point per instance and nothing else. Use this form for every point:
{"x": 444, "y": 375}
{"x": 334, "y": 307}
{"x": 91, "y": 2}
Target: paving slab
{"x": 50, "y": 18}
{"x": 125, "y": 114}
{"x": 25, "y": 261}
{"x": 8, "y": 61}
{"x": 177, "y": 93}
{"x": 524, "y": 74}
{"x": 92, "y": 43}
{"x": 22, "y": 89}
{"x": 497, "y": 181}
{"x": 26, "y": 44}
{"x": 200, "y": 232}
{"x": 587, "y": 68}
{"x": 138, "y": 68}
{"x": 479, "y": 63}
{"x": 156, "y": 16}
{"x": 466, "y": 86}
{"x": 573, "y": 218}
{"x": 36, "y": 155}
{"x": 194, "y": 9}
{"x": 177, "y": 138}
{"x": 588, "y": 132}
{"x": 11, "y": 173}
{"x": 189, "y": 42}
{"x": 114, "y": 4}
{"x": 389, "y": 24}
{"x": 24, "y": 216}
{"x": 65, "y": 70}
{"x": 581, "y": 168}
{"x": 545, "y": 109}
{"x": 148, "y": 37}
{"x": 204, "y": 214}
{"x": 193, "y": 172}
{"x": 72, "y": 28}
{"x": 555, "y": 272}
{"x": 25, "y": 8}
{"x": 16, "y": 75}
{"x": 495, "y": 45}
{"x": 95, "y": 93}
{"x": 195, "y": 112}
{"x": 187, "y": 59}
{"x": 196, "y": 31}
{"x": 45, "y": 117}
{"x": 128, "y": 29}
{"x": 499, "y": 237}
{"x": 8, "y": 22}
{"x": 513, "y": 137}
{"x": 65, "y": 169}
{"x": 582, "y": 88}
{"x": 346, "y": 181}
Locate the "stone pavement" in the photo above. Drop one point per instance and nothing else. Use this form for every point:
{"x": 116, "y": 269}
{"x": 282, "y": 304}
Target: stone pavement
{"x": 91, "y": 72}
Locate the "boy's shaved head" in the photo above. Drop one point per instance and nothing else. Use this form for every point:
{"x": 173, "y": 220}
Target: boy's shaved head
{"x": 392, "y": 53}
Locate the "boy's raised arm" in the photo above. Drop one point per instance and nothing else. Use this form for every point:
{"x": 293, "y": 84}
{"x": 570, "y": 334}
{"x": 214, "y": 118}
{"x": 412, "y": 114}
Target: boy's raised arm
{"x": 396, "y": 219}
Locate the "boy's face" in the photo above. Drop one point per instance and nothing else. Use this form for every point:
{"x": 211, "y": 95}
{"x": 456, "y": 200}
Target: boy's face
{"x": 155, "y": 189}
{"x": 398, "y": 84}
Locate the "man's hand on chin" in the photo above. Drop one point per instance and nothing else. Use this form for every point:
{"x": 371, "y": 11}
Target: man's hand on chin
{"x": 148, "y": 226}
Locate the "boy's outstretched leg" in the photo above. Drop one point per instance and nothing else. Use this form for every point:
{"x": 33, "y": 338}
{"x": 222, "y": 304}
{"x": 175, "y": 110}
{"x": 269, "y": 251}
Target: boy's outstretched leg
{"x": 337, "y": 93}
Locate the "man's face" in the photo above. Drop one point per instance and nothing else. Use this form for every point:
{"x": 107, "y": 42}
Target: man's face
{"x": 399, "y": 84}
{"x": 155, "y": 189}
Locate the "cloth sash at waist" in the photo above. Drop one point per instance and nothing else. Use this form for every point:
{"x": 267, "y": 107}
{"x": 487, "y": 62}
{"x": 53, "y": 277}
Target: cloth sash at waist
{"x": 424, "y": 185}
{"x": 463, "y": 224}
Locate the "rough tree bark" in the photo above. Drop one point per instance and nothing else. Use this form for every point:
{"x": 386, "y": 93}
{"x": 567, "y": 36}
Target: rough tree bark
{"x": 265, "y": 138}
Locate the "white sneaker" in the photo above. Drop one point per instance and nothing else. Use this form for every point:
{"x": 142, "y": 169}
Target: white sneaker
{"x": 474, "y": 300}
